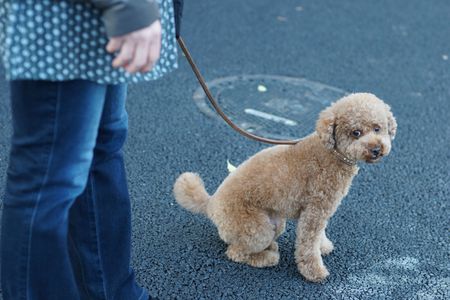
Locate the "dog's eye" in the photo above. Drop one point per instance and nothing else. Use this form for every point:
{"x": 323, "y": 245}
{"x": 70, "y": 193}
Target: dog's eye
{"x": 377, "y": 129}
{"x": 356, "y": 133}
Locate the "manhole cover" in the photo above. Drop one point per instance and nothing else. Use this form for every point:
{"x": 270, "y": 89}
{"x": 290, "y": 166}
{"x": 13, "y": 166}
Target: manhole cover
{"x": 270, "y": 106}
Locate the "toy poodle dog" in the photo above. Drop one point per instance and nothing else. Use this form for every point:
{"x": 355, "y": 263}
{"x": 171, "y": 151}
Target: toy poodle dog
{"x": 306, "y": 181}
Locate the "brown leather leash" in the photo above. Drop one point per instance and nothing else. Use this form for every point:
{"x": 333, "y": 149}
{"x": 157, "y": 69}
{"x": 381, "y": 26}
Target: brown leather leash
{"x": 217, "y": 107}
{"x": 178, "y": 14}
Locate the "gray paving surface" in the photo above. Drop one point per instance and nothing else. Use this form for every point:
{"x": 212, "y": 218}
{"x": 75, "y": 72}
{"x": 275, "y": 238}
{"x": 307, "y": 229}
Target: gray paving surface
{"x": 391, "y": 232}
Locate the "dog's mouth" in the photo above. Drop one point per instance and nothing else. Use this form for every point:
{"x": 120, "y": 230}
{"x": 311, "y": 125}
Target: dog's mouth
{"x": 373, "y": 159}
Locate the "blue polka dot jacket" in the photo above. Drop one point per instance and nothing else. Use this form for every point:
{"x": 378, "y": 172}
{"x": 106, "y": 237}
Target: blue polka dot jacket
{"x": 66, "y": 39}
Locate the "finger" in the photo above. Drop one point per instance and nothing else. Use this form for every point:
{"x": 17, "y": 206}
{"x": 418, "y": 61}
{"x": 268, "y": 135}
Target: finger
{"x": 114, "y": 45}
{"x": 147, "y": 67}
{"x": 140, "y": 58}
{"x": 150, "y": 62}
{"x": 154, "y": 54}
{"x": 155, "y": 51}
{"x": 126, "y": 54}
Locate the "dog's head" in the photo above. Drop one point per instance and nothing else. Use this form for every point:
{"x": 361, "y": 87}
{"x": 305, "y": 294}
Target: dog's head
{"x": 360, "y": 126}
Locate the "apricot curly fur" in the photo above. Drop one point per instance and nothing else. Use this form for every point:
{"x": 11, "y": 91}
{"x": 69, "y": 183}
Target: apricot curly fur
{"x": 306, "y": 181}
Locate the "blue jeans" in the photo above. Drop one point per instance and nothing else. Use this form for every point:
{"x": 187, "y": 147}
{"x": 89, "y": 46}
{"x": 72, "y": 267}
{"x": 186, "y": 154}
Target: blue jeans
{"x": 66, "y": 224}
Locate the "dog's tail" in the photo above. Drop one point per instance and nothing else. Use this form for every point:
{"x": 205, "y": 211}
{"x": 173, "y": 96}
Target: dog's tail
{"x": 189, "y": 191}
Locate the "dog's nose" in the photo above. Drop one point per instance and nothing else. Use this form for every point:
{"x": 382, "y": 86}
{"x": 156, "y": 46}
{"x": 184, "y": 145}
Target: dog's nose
{"x": 376, "y": 151}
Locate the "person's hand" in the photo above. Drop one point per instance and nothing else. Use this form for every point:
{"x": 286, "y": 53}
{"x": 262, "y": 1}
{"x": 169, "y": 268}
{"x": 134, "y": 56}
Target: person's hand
{"x": 139, "y": 50}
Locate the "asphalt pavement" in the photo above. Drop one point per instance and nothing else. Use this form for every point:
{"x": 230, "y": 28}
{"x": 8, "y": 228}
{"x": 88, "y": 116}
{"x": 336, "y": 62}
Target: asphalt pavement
{"x": 391, "y": 233}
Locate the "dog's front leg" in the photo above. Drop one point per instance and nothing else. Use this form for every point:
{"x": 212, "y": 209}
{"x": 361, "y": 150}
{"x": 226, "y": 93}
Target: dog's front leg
{"x": 310, "y": 228}
{"x": 326, "y": 246}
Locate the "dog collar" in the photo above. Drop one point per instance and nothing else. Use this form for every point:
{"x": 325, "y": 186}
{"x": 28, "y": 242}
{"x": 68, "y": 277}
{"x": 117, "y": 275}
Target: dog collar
{"x": 348, "y": 161}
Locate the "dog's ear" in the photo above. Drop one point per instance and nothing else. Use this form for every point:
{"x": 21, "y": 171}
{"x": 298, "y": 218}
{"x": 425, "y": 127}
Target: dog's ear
{"x": 392, "y": 123}
{"x": 325, "y": 127}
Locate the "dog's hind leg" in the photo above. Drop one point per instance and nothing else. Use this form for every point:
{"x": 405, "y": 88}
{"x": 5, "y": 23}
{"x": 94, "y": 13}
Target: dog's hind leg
{"x": 253, "y": 242}
{"x": 265, "y": 258}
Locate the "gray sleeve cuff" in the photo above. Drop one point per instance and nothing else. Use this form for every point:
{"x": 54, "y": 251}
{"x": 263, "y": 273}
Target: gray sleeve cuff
{"x": 125, "y": 16}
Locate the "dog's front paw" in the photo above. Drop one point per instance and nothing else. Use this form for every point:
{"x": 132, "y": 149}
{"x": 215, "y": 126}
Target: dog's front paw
{"x": 326, "y": 246}
{"x": 313, "y": 270}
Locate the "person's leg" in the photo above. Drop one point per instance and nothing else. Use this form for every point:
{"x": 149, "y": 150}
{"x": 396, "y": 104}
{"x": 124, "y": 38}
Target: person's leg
{"x": 55, "y": 127}
{"x": 100, "y": 219}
